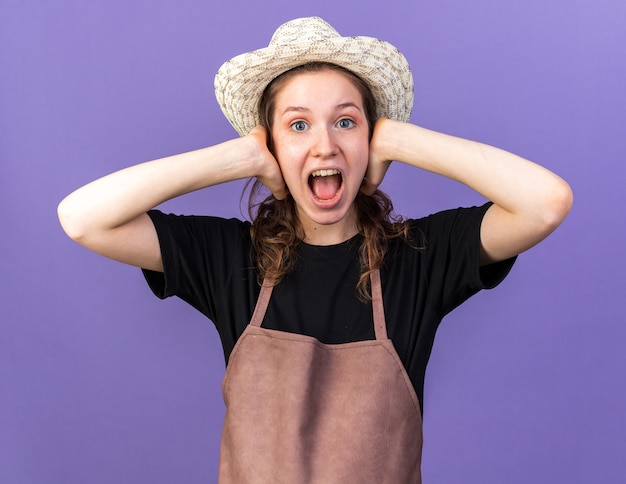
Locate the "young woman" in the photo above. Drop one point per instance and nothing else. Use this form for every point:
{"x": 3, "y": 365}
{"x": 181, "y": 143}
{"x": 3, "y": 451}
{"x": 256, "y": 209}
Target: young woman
{"x": 326, "y": 304}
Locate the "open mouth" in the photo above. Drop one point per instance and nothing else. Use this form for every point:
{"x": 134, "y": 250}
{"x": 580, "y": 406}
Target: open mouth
{"x": 325, "y": 184}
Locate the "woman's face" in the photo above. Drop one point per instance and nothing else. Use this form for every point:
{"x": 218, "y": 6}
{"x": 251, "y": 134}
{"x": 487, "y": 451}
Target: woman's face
{"x": 320, "y": 138}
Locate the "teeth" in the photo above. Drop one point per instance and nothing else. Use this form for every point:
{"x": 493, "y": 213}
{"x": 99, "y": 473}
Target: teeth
{"x": 325, "y": 172}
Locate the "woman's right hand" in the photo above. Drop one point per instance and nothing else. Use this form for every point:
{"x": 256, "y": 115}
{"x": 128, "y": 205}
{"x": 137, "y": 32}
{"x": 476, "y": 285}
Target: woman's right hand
{"x": 108, "y": 215}
{"x": 268, "y": 173}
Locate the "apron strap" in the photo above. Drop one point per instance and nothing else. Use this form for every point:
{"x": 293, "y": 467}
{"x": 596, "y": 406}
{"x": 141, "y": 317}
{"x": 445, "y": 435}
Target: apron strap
{"x": 380, "y": 326}
{"x": 262, "y": 302}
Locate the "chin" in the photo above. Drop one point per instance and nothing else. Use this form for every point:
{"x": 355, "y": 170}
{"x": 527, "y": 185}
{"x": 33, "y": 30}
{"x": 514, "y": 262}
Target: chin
{"x": 328, "y": 217}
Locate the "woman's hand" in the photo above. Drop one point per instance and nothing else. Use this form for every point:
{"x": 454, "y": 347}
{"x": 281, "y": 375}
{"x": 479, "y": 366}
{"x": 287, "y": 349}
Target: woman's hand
{"x": 379, "y": 158}
{"x": 109, "y": 215}
{"x": 529, "y": 201}
{"x": 269, "y": 173}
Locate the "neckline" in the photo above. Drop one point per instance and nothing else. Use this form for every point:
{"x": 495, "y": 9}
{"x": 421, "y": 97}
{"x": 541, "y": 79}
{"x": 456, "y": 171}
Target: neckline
{"x": 348, "y": 241}
{"x": 332, "y": 251}
{"x": 380, "y": 326}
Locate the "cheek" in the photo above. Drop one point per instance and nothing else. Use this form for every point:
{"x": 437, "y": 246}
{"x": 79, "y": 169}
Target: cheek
{"x": 284, "y": 159}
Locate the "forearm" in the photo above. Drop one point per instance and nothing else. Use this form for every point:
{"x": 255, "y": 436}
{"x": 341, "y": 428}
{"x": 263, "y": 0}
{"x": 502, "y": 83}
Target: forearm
{"x": 510, "y": 181}
{"x": 120, "y": 197}
{"x": 529, "y": 201}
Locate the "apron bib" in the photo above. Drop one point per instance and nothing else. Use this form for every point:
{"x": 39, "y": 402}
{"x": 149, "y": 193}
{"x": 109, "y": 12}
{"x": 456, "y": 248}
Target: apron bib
{"x": 300, "y": 411}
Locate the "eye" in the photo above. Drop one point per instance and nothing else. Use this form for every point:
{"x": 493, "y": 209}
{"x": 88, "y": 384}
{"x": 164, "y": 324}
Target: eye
{"x": 345, "y": 123}
{"x": 299, "y": 126}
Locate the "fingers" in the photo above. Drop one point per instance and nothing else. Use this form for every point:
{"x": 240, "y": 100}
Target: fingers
{"x": 260, "y": 134}
{"x": 374, "y": 175}
{"x": 280, "y": 191}
{"x": 273, "y": 179}
{"x": 269, "y": 173}
{"x": 379, "y": 160}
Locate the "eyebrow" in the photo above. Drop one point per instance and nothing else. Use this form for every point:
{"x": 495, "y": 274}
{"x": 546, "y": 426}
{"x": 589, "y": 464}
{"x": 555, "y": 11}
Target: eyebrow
{"x": 297, "y": 109}
{"x": 302, "y": 109}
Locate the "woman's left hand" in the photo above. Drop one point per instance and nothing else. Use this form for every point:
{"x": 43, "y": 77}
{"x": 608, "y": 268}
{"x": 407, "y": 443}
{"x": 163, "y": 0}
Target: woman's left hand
{"x": 529, "y": 201}
{"x": 378, "y": 160}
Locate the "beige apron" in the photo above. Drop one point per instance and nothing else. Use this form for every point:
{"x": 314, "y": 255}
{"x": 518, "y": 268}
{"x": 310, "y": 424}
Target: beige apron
{"x": 299, "y": 411}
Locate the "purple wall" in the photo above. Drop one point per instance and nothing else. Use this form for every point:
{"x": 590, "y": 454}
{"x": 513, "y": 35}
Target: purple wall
{"x": 102, "y": 383}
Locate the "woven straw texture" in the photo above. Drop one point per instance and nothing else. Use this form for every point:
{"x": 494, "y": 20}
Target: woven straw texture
{"x": 240, "y": 82}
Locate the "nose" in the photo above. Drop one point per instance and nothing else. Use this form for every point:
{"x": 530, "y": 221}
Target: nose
{"x": 324, "y": 143}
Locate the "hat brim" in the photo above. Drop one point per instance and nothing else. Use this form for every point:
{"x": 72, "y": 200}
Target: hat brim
{"x": 240, "y": 82}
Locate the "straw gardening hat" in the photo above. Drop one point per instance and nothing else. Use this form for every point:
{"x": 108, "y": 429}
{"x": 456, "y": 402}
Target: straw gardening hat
{"x": 240, "y": 82}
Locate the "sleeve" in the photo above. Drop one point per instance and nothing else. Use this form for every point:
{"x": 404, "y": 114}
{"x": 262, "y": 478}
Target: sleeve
{"x": 452, "y": 256}
{"x": 199, "y": 256}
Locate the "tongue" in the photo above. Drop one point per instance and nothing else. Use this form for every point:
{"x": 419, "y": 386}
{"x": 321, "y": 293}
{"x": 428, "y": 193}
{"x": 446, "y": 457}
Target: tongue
{"x": 326, "y": 187}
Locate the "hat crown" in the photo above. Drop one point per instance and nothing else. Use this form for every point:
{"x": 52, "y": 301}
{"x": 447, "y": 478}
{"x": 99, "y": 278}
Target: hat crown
{"x": 307, "y": 30}
{"x": 240, "y": 82}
